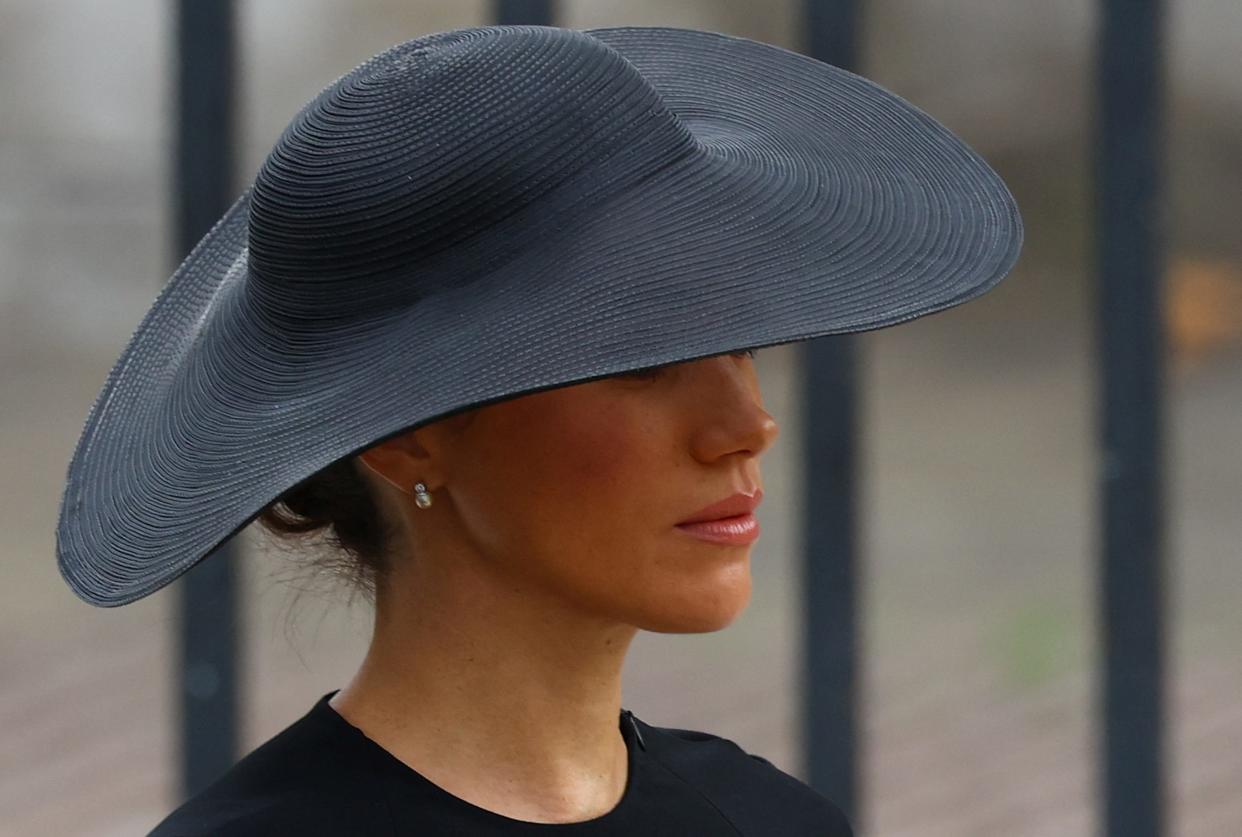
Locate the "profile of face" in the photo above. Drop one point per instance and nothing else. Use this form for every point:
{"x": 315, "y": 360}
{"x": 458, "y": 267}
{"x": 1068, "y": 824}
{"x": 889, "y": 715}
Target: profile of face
{"x": 573, "y": 494}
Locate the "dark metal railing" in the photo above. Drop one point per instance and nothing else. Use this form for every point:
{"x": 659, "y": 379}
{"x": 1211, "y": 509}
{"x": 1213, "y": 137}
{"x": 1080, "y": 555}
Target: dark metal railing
{"x": 1129, "y": 250}
{"x": 831, "y": 635}
{"x": 202, "y": 192}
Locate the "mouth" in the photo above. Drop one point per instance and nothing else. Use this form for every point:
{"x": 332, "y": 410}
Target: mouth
{"x": 733, "y": 506}
{"x": 739, "y": 530}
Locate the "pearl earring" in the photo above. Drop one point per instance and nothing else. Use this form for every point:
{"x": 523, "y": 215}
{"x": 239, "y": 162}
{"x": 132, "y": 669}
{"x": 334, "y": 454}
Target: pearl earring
{"x": 422, "y": 499}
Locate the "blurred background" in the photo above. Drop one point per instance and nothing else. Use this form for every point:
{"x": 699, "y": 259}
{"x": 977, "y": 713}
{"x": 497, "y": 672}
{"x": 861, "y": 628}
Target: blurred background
{"x": 978, "y": 457}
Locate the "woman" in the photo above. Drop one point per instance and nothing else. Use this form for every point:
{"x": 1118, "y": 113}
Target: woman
{"x": 486, "y": 317}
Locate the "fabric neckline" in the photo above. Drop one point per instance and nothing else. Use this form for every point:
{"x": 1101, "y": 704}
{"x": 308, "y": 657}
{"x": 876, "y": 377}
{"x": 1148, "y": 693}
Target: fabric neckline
{"x": 324, "y": 712}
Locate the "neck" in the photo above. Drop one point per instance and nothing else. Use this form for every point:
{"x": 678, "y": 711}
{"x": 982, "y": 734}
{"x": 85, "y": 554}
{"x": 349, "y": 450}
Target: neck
{"x": 496, "y": 691}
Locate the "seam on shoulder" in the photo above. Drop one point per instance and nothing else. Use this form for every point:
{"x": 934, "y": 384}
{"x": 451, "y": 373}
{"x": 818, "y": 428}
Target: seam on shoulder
{"x": 704, "y": 796}
{"x": 843, "y": 821}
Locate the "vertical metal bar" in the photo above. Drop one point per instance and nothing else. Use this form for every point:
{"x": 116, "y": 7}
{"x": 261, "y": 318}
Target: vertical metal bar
{"x": 1129, "y": 253}
{"x": 830, "y": 564}
{"x": 515, "y": 12}
{"x": 830, "y": 573}
{"x": 203, "y": 171}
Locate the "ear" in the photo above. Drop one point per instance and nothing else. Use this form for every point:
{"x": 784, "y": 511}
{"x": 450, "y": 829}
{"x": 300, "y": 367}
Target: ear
{"x": 379, "y": 465}
{"x": 417, "y": 455}
{"x": 399, "y": 461}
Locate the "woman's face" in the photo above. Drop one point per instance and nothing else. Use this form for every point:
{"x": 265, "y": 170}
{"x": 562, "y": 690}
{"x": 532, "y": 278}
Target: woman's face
{"x": 578, "y": 490}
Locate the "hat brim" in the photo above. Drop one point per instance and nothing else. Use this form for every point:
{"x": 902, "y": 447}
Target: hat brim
{"x": 817, "y": 203}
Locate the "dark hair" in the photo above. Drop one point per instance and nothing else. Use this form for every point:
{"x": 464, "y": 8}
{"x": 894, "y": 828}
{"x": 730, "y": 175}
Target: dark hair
{"x": 336, "y": 507}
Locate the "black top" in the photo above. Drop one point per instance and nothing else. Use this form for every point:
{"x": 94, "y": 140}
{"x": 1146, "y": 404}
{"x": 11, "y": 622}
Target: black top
{"x": 321, "y": 775}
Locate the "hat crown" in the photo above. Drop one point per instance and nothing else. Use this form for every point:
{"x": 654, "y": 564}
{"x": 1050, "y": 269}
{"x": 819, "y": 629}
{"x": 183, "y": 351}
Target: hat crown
{"x": 441, "y": 139}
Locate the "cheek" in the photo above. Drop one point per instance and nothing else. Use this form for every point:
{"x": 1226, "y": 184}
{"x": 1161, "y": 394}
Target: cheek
{"x": 604, "y": 460}
{"x": 560, "y": 482}
{"x": 593, "y": 474}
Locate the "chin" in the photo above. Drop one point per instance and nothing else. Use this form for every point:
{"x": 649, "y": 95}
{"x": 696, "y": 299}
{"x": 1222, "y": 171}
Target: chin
{"x": 705, "y": 614}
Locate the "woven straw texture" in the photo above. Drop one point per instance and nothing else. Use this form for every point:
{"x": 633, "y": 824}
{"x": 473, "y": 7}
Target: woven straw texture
{"x": 485, "y": 213}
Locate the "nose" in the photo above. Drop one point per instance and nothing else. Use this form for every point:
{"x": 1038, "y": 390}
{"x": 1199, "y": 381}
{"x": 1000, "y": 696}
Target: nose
{"x": 733, "y": 417}
{"x": 761, "y": 431}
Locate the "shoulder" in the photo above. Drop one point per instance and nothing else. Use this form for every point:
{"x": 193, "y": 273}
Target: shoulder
{"x": 747, "y": 788}
{"x": 208, "y": 818}
{"x": 297, "y": 782}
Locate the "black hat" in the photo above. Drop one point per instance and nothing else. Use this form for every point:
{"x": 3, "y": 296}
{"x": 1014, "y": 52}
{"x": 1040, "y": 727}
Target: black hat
{"x": 484, "y": 213}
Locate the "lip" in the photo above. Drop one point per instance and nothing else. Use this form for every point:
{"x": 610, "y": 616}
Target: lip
{"x": 739, "y": 530}
{"x": 730, "y": 507}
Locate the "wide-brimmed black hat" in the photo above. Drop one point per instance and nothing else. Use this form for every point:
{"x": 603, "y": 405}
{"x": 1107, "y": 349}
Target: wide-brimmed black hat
{"x": 490, "y": 212}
